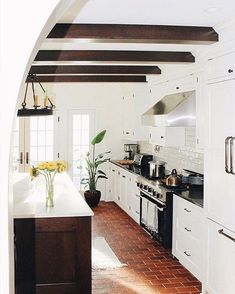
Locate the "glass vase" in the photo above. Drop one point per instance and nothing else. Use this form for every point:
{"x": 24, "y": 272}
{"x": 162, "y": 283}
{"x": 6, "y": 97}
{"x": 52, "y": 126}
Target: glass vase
{"x": 50, "y": 194}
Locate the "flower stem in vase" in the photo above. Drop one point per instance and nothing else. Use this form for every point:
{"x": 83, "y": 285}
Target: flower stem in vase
{"x": 50, "y": 194}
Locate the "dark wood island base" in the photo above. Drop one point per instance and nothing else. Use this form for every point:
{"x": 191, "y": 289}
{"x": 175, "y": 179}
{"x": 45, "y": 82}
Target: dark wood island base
{"x": 53, "y": 255}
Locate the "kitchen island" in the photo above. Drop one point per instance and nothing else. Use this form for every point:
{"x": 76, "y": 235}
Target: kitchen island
{"x": 52, "y": 245}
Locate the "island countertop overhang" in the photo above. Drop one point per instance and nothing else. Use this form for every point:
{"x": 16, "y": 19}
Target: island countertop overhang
{"x": 30, "y": 198}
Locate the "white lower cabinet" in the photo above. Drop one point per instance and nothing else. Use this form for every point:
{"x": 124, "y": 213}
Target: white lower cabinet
{"x": 220, "y": 260}
{"x": 189, "y": 234}
{"x": 123, "y": 190}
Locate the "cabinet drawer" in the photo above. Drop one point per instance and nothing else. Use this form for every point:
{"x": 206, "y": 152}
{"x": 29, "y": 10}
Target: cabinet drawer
{"x": 186, "y": 209}
{"x": 222, "y": 67}
{"x": 189, "y": 251}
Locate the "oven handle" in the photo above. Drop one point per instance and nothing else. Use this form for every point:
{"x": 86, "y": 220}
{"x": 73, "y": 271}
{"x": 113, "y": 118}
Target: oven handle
{"x": 159, "y": 208}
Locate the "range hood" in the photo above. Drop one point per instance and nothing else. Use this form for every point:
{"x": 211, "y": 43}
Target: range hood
{"x": 172, "y": 110}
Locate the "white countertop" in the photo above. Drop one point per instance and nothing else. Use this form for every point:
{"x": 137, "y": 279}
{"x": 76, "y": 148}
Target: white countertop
{"x": 30, "y": 198}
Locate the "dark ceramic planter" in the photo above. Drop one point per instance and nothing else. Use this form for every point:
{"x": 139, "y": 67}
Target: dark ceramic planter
{"x": 92, "y": 198}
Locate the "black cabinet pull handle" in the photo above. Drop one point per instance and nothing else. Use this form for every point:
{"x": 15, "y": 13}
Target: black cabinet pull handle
{"x": 113, "y": 170}
{"x": 162, "y": 137}
{"x": 123, "y": 176}
{"x": 177, "y": 88}
{"x": 230, "y": 70}
{"x": 21, "y": 157}
{"x": 226, "y": 235}
{"x": 127, "y": 133}
{"x": 188, "y": 230}
{"x": 185, "y": 252}
{"x": 27, "y": 157}
{"x": 187, "y": 210}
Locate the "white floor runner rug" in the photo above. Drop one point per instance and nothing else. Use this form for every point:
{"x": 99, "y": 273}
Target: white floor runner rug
{"x": 103, "y": 256}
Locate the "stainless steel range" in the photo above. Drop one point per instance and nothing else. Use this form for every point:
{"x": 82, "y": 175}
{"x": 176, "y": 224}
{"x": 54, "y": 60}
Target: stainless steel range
{"x": 156, "y": 205}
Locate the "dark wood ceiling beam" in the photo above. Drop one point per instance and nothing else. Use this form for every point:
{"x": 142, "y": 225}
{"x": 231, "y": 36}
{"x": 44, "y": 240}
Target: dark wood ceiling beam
{"x": 94, "y": 69}
{"x": 92, "y": 79}
{"x": 136, "y": 33}
{"x": 117, "y": 56}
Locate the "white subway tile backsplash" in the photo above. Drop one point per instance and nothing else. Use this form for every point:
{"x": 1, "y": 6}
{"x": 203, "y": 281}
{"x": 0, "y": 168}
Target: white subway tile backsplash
{"x": 185, "y": 157}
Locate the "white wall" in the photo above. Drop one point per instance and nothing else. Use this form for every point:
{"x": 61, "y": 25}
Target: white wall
{"x": 17, "y": 20}
{"x": 105, "y": 100}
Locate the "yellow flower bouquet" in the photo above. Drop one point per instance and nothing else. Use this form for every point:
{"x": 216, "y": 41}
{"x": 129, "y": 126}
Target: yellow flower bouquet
{"x": 48, "y": 169}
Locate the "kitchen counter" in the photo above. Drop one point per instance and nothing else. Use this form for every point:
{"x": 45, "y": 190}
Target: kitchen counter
{"x": 194, "y": 196}
{"x": 30, "y": 198}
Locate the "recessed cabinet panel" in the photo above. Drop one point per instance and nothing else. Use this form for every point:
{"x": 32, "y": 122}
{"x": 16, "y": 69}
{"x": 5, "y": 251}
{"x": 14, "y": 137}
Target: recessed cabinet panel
{"x": 187, "y": 83}
{"x": 220, "y": 154}
{"x": 221, "y": 260}
{"x": 167, "y": 136}
{"x": 189, "y": 229}
{"x": 222, "y": 67}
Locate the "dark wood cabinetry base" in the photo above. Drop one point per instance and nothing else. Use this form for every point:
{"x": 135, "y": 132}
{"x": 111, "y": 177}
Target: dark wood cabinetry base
{"x": 53, "y": 255}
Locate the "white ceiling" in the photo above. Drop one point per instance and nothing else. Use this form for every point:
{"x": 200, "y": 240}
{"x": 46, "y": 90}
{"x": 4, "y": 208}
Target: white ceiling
{"x": 171, "y": 12}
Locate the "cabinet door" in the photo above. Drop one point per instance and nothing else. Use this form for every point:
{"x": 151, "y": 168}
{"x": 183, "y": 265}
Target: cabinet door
{"x": 123, "y": 189}
{"x": 112, "y": 182}
{"x": 221, "y": 260}
{"x": 222, "y": 67}
{"x": 187, "y": 83}
{"x": 220, "y": 185}
{"x": 128, "y": 116}
{"x": 167, "y": 136}
{"x": 158, "y": 135}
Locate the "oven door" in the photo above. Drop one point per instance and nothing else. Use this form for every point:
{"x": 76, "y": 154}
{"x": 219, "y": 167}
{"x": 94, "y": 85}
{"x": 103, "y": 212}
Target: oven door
{"x": 152, "y": 215}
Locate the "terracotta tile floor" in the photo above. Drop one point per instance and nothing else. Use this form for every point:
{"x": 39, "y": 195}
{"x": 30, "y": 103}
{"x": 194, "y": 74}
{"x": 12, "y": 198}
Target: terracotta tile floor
{"x": 150, "y": 267}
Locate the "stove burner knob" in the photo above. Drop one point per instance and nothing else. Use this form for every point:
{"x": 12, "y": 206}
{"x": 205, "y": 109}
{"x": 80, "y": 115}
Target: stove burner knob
{"x": 154, "y": 193}
{"x": 145, "y": 187}
{"x": 158, "y": 195}
{"x": 138, "y": 184}
{"x": 141, "y": 186}
{"x": 150, "y": 189}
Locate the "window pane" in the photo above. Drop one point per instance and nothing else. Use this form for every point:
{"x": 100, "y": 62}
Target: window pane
{"x": 77, "y": 122}
{"x": 41, "y": 154}
{"x": 49, "y": 123}
{"x": 85, "y": 122}
{"x": 34, "y": 138}
{"x": 33, "y": 154}
{"x": 49, "y": 138}
{"x": 41, "y": 123}
{"x": 76, "y": 137}
{"x": 49, "y": 153}
{"x": 33, "y": 123}
{"x": 41, "y": 139}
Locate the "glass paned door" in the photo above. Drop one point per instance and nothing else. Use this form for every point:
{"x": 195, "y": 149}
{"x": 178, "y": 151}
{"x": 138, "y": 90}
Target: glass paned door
{"x": 33, "y": 141}
{"x": 81, "y": 124}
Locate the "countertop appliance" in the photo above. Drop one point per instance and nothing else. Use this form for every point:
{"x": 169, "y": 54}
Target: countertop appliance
{"x": 156, "y": 169}
{"x": 131, "y": 149}
{"x": 142, "y": 159}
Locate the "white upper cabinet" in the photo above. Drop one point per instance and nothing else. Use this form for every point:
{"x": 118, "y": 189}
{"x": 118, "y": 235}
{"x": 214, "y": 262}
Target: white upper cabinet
{"x": 167, "y": 136}
{"x": 184, "y": 84}
{"x": 134, "y": 103}
{"x": 222, "y": 67}
{"x": 220, "y": 152}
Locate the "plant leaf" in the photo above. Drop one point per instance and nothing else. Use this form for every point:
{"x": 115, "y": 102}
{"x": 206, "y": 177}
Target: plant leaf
{"x": 101, "y": 172}
{"x": 98, "y": 138}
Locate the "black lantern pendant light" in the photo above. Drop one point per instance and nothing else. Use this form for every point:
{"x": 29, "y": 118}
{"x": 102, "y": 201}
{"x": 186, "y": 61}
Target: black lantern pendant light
{"x": 36, "y": 110}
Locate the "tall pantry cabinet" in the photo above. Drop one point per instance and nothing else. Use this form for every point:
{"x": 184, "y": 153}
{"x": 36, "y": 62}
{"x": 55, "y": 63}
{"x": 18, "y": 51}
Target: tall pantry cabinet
{"x": 220, "y": 182}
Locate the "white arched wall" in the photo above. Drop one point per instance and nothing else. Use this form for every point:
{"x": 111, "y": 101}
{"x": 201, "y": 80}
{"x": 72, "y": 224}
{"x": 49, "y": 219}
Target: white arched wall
{"x": 23, "y": 26}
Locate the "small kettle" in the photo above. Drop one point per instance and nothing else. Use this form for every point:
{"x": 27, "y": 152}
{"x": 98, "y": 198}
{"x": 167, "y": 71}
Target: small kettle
{"x": 173, "y": 180}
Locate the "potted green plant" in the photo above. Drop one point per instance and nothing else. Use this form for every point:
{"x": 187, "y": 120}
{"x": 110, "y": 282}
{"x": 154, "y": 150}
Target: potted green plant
{"x": 93, "y": 162}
